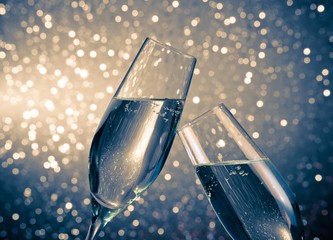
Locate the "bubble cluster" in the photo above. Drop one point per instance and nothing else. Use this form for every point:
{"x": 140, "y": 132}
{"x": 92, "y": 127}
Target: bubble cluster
{"x": 61, "y": 62}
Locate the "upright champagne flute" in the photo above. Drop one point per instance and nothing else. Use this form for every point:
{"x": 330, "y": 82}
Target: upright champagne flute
{"x": 136, "y": 132}
{"x": 246, "y": 191}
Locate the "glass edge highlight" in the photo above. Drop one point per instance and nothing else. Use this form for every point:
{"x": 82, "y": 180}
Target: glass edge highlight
{"x": 201, "y": 116}
{"x": 170, "y": 47}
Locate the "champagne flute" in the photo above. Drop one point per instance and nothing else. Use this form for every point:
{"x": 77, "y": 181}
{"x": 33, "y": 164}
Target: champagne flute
{"x": 136, "y": 132}
{"x": 246, "y": 191}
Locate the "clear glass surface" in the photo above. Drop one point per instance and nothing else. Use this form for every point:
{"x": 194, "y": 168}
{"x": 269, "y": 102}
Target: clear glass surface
{"x": 246, "y": 191}
{"x": 137, "y": 129}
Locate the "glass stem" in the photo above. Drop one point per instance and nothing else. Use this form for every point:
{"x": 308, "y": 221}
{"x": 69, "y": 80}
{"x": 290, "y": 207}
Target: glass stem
{"x": 96, "y": 226}
{"x": 101, "y": 216}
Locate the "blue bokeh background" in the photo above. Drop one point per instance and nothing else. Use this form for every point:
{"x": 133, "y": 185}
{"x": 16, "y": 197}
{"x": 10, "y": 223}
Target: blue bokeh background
{"x": 270, "y": 62}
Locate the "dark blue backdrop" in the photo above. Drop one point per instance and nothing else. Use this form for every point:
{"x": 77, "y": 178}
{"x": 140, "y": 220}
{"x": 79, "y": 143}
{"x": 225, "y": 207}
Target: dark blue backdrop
{"x": 61, "y": 61}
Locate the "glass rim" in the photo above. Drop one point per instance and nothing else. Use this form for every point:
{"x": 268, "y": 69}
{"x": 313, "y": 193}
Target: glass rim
{"x": 203, "y": 115}
{"x": 169, "y": 47}
{"x": 185, "y": 56}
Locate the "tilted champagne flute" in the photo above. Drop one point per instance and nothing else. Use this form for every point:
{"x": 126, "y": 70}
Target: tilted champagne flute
{"x": 246, "y": 191}
{"x": 136, "y": 132}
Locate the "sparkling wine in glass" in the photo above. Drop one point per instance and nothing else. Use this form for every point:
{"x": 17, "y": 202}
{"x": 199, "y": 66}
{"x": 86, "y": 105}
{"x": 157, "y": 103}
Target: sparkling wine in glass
{"x": 246, "y": 191}
{"x": 136, "y": 131}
